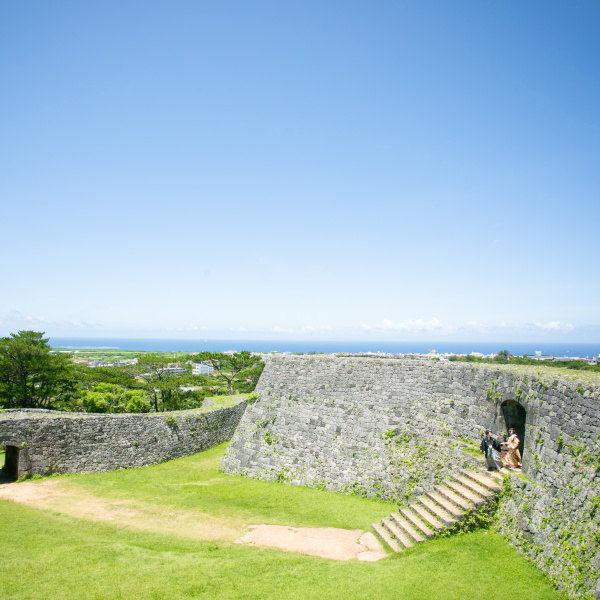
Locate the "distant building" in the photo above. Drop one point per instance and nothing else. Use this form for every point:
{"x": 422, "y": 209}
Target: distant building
{"x": 173, "y": 370}
{"x": 202, "y": 369}
{"x": 125, "y": 362}
{"x": 539, "y": 356}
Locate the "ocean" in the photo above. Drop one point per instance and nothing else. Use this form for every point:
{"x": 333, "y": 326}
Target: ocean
{"x": 175, "y": 345}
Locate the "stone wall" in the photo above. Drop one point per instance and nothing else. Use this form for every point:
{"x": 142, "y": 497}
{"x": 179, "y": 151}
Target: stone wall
{"x": 374, "y": 427}
{"x": 552, "y": 511}
{"x": 58, "y": 442}
{"x": 395, "y": 428}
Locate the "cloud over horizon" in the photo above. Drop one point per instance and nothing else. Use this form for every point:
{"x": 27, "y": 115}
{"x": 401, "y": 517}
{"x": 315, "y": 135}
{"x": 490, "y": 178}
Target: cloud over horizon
{"x": 419, "y": 328}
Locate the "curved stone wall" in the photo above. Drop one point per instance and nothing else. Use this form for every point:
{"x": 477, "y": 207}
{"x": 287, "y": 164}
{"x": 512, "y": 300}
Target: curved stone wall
{"x": 377, "y": 427}
{"x": 395, "y": 428}
{"x": 58, "y": 442}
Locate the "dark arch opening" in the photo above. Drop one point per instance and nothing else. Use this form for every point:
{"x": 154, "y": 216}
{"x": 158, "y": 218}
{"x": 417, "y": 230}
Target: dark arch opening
{"x": 515, "y": 416}
{"x": 10, "y": 468}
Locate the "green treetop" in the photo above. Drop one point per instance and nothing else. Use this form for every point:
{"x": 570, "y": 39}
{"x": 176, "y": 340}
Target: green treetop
{"x": 241, "y": 369}
{"x": 30, "y": 375}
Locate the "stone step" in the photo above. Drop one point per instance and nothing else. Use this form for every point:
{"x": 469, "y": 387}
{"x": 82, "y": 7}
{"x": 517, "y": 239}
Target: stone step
{"x": 497, "y": 475}
{"x": 407, "y": 527}
{"x": 398, "y": 533}
{"x": 455, "y": 498}
{"x": 470, "y": 495}
{"x": 413, "y": 517}
{"x": 448, "y": 506}
{"x": 386, "y": 537}
{"x": 474, "y": 487}
{"x": 437, "y": 511}
{"x": 484, "y": 480}
{"x": 427, "y": 516}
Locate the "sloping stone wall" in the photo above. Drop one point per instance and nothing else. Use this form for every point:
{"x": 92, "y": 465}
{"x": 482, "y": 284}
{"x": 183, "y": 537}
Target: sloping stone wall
{"x": 395, "y": 428}
{"x": 58, "y": 442}
{"x": 374, "y": 427}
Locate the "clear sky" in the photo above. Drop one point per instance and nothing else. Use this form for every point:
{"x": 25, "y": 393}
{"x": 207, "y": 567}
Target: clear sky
{"x": 394, "y": 170}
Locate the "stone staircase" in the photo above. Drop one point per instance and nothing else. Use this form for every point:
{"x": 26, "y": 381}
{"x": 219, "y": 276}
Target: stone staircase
{"x": 441, "y": 509}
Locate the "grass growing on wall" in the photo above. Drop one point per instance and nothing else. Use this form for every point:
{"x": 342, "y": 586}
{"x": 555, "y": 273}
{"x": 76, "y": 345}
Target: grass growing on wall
{"x": 215, "y": 402}
{"x": 546, "y": 372}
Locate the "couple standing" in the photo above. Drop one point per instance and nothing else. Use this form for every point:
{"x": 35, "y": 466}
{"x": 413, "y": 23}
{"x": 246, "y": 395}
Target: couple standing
{"x": 501, "y": 454}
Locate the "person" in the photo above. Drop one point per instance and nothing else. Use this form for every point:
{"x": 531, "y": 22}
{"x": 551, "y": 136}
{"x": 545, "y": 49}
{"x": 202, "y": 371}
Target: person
{"x": 491, "y": 450}
{"x": 512, "y": 457}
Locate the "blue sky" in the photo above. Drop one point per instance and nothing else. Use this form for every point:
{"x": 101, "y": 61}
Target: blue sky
{"x": 366, "y": 170}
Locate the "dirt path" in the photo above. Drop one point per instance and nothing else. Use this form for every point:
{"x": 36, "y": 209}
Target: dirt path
{"x": 325, "y": 542}
{"x": 53, "y": 495}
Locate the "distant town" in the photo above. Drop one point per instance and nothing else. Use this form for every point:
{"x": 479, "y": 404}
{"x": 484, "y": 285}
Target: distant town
{"x": 91, "y": 359}
{"x": 434, "y": 354}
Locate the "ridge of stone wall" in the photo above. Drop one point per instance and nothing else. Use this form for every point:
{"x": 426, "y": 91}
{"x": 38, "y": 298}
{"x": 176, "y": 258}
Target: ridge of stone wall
{"x": 58, "y": 442}
{"x": 395, "y": 428}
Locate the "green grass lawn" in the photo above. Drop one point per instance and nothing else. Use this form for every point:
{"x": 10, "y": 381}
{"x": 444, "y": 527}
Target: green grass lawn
{"x": 195, "y": 483}
{"x": 46, "y": 555}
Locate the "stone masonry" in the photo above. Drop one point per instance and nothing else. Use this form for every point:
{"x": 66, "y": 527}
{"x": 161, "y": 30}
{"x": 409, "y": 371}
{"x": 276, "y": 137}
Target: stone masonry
{"x": 395, "y": 428}
{"x": 57, "y": 442}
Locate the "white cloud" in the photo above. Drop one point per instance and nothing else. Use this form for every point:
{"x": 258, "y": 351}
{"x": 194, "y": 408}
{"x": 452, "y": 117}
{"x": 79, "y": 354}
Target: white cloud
{"x": 278, "y": 329}
{"x": 15, "y": 319}
{"x": 16, "y": 316}
{"x": 435, "y": 325}
{"x": 194, "y": 327}
{"x": 553, "y": 326}
{"x": 474, "y": 324}
{"x": 315, "y": 328}
{"x": 432, "y": 324}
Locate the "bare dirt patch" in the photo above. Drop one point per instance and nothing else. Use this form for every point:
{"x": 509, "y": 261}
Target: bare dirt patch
{"x": 66, "y": 498}
{"x": 325, "y": 542}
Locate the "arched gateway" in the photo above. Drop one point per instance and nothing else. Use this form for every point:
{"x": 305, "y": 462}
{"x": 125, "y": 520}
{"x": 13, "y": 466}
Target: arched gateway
{"x": 9, "y": 470}
{"x": 515, "y": 416}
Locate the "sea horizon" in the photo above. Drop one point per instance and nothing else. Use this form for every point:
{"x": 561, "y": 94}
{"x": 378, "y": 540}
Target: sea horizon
{"x": 582, "y": 349}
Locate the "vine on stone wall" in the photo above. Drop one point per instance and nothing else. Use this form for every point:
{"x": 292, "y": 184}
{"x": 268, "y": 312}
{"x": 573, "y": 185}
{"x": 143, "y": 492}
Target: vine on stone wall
{"x": 571, "y": 533}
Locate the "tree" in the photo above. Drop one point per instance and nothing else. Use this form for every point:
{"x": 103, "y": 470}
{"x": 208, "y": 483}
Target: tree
{"x": 30, "y": 375}
{"x": 503, "y": 355}
{"x": 112, "y": 398}
{"x": 164, "y": 386}
{"x": 123, "y": 376}
{"x": 241, "y": 368}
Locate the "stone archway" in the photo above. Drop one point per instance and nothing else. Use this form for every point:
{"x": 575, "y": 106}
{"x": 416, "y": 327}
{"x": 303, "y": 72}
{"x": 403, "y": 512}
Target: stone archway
{"x": 515, "y": 416}
{"x": 10, "y": 468}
